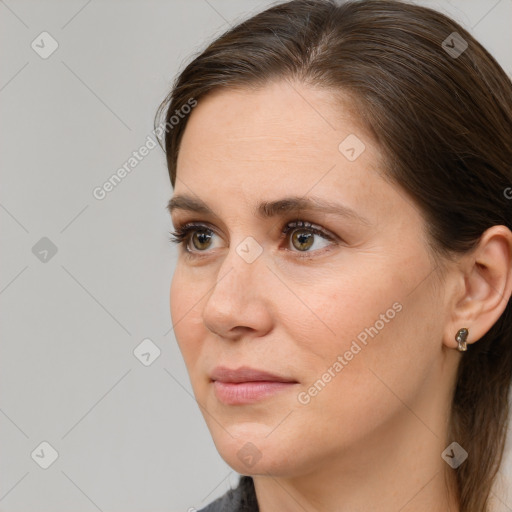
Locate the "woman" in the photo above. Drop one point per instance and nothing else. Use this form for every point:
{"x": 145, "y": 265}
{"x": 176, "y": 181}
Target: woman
{"x": 342, "y": 199}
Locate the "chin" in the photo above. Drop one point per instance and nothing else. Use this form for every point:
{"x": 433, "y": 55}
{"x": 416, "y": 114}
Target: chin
{"x": 254, "y": 453}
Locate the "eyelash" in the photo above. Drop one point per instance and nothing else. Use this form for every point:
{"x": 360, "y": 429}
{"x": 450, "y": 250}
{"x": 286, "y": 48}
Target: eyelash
{"x": 182, "y": 234}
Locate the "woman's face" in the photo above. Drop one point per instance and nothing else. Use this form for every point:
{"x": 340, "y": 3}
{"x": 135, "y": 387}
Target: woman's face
{"x": 349, "y": 316}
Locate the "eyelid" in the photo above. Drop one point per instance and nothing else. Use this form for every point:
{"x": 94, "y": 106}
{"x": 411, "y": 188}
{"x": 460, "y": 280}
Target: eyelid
{"x": 183, "y": 232}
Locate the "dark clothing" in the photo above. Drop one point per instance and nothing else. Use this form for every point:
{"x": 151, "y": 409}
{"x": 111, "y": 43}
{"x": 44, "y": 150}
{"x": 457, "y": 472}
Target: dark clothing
{"x": 240, "y": 499}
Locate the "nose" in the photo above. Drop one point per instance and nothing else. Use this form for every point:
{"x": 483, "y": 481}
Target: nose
{"x": 240, "y": 298}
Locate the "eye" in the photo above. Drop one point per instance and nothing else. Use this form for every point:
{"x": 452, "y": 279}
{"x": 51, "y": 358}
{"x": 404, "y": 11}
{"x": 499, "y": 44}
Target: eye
{"x": 303, "y": 237}
{"x": 199, "y": 234}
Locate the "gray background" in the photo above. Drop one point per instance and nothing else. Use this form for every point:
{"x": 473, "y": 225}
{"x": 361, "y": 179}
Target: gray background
{"x": 129, "y": 437}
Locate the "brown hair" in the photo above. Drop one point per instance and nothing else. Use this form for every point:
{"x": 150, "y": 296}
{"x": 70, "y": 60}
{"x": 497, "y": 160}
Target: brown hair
{"x": 444, "y": 124}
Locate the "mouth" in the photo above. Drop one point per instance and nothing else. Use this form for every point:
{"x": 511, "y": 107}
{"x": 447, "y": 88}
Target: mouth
{"x": 247, "y": 385}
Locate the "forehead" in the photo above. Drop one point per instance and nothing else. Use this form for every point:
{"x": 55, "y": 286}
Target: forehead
{"x": 243, "y": 146}
{"x": 278, "y": 119}
{"x": 278, "y": 131}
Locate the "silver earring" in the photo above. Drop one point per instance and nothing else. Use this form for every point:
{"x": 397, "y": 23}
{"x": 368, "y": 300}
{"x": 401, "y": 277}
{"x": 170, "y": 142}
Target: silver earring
{"x": 461, "y": 337}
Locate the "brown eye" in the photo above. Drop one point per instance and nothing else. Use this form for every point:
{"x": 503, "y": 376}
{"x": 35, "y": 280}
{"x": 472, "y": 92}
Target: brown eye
{"x": 304, "y": 236}
{"x": 196, "y": 238}
{"x": 200, "y": 240}
{"x": 302, "y": 239}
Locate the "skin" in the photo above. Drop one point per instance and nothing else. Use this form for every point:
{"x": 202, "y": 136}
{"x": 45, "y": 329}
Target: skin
{"x": 372, "y": 438}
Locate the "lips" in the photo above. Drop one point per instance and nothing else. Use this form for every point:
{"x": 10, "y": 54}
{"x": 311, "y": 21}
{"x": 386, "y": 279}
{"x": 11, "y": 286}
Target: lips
{"x": 244, "y": 385}
{"x": 245, "y": 374}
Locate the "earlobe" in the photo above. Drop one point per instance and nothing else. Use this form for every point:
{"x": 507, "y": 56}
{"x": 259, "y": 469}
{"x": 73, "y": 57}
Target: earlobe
{"x": 487, "y": 276}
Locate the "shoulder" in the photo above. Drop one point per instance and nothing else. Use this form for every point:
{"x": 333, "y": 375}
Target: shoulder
{"x": 240, "y": 499}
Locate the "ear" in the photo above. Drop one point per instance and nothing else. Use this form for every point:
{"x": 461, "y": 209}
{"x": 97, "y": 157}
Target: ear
{"x": 485, "y": 286}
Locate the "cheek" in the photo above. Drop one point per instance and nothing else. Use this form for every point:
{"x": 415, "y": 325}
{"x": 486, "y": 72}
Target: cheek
{"x": 358, "y": 325}
{"x": 382, "y": 354}
{"x": 342, "y": 308}
{"x": 178, "y": 301}
{"x": 185, "y": 313}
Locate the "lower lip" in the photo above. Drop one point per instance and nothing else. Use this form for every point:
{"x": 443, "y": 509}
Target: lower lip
{"x": 239, "y": 393}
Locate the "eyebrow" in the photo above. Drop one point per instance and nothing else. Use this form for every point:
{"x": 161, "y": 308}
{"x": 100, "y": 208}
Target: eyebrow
{"x": 269, "y": 209}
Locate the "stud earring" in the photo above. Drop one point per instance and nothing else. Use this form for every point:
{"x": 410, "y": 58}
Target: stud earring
{"x": 461, "y": 337}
